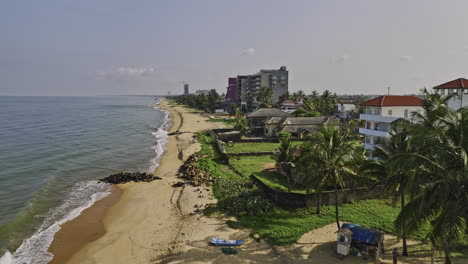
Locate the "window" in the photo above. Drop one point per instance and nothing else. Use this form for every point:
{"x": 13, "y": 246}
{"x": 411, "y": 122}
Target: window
{"x": 442, "y": 91}
{"x": 390, "y": 112}
{"x": 368, "y": 125}
{"x": 406, "y": 113}
{"x": 465, "y": 91}
{"x": 455, "y": 91}
{"x": 376, "y": 126}
{"x": 378, "y": 111}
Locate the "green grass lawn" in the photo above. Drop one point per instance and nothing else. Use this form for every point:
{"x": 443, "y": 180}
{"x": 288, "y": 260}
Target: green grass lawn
{"x": 229, "y": 123}
{"x": 252, "y": 147}
{"x": 278, "y": 182}
{"x": 282, "y": 227}
{"x": 251, "y": 164}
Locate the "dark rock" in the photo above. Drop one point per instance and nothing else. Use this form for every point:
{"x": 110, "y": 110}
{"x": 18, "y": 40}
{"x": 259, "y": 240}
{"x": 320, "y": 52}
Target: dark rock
{"x": 178, "y": 184}
{"x": 123, "y": 177}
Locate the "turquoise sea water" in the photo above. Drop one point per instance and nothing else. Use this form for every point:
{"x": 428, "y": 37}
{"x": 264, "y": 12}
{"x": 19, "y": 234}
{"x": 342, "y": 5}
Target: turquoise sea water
{"x": 52, "y": 150}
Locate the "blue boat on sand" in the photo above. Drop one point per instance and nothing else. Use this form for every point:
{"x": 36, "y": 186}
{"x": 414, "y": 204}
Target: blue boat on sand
{"x": 226, "y": 242}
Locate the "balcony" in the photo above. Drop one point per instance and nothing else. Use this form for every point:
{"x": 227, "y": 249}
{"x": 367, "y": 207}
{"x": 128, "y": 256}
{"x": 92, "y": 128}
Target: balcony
{"x": 378, "y": 118}
{"x": 368, "y": 146}
{"x": 375, "y": 133}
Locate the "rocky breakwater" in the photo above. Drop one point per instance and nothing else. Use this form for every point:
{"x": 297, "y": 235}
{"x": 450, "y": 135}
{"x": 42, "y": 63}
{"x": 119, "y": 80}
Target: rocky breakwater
{"x": 123, "y": 177}
{"x": 193, "y": 172}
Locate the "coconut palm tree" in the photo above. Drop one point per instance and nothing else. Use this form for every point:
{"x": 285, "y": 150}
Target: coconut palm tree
{"x": 284, "y": 156}
{"x": 388, "y": 171}
{"x": 442, "y": 162}
{"x": 335, "y": 157}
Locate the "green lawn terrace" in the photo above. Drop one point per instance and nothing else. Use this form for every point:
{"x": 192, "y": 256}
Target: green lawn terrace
{"x": 263, "y": 168}
{"x": 240, "y": 147}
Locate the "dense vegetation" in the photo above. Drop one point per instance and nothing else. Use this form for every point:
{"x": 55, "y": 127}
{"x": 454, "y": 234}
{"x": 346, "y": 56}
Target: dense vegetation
{"x": 204, "y": 101}
{"x": 424, "y": 164}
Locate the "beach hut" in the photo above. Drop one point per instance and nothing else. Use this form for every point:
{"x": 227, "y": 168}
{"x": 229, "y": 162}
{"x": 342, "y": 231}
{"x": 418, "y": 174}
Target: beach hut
{"x": 367, "y": 241}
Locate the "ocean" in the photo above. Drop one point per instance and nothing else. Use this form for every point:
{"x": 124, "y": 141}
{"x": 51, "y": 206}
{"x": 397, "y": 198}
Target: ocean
{"x": 52, "y": 152}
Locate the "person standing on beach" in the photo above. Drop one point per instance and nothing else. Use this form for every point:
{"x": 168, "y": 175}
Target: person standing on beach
{"x": 395, "y": 256}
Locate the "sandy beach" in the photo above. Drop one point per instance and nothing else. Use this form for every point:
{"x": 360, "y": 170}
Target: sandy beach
{"x": 157, "y": 223}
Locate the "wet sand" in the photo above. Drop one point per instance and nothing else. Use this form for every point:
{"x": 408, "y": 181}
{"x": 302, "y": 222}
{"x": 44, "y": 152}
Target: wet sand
{"x": 156, "y": 223}
{"x": 83, "y": 229}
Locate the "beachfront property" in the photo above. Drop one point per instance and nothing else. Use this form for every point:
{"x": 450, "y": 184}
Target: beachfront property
{"x": 289, "y": 106}
{"x": 277, "y": 80}
{"x": 459, "y": 88}
{"x": 258, "y": 119}
{"x": 269, "y": 122}
{"x": 381, "y": 112}
{"x": 298, "y": 127}
{"x": 345, "y": 109}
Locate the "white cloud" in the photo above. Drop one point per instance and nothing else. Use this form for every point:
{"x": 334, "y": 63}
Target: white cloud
{"x": 405, "y": 58}
{"x": 126, "y": 73}
{"x": 248, "y": 51}
{"x": 343, "y": 58}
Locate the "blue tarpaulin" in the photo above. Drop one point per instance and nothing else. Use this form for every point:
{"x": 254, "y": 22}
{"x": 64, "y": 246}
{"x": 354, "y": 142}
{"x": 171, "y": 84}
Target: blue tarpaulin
{"x": 366, "y": 235}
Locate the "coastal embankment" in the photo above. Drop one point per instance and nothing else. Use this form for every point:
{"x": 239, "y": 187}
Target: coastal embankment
{"x": 157, "y": 223}
{"x": 146, "y": 220}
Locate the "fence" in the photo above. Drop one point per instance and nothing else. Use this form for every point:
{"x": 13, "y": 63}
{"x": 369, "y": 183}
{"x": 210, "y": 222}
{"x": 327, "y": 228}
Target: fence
{"x": 299, "y": 200}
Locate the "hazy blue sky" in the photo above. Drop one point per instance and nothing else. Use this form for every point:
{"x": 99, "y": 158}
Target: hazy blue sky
{"x": 94, "y": 47}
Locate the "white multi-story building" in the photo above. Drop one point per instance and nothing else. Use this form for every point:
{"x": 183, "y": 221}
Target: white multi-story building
{"x": 345, "y": 108}
{"x": 459, "y": 87}
{"x": 381, "y": 112}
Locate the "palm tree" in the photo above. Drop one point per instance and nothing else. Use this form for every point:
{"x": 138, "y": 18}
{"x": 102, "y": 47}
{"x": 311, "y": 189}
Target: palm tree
{"x": 391, "y": 173}
{"x": 284, "y": 156}
{"x": 336, "y": 157}
{"x": 442, "y": 169}
{"x": 250, "y": 100}
{"x": 265, "y": 96}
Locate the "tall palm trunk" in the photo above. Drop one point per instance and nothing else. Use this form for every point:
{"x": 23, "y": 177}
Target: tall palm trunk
{"x": 336, "y": 207}
{"x": 403, "y": 235}
{"x": 447, "y": 256}
{"x": 447, "y": 252}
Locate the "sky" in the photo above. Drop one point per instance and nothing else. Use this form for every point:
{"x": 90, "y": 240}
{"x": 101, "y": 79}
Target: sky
{"x": 108, "y": 47}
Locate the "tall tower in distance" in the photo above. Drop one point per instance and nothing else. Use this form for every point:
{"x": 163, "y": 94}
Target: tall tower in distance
{"x": 186, "y": 89}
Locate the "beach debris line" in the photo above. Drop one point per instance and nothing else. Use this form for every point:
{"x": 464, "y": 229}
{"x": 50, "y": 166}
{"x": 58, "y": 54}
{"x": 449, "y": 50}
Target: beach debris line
{"x": 192, "y": 173}
{"x": 123, "y": 177}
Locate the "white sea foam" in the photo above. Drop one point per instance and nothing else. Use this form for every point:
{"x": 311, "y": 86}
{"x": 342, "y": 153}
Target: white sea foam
{"x": 161, "y": 138}
{"x": 7, "y": 258}
{"x": 34, "y": 249}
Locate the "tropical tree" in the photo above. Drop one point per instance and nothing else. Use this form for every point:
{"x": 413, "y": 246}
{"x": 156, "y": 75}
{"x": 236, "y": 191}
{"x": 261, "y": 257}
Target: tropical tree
{"x": 250, "y": 100}
{"x": 441, "y": 174}
{"x": 213, "y": 98}
{"x": 284, "y": 157}
{"x": 387, "y": 170}
{"x": 233, "y": 108}
{"x": 284, "y": 97}
{"x": 335, "y": 158}
{"x": 265, "y": 96}
{"x": 242, "y": 124}
{"x": 328, "y": 102}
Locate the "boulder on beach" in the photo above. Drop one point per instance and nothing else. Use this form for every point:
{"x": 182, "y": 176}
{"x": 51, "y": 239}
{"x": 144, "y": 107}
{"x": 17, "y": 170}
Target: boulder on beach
{"x": 123, "y": 177}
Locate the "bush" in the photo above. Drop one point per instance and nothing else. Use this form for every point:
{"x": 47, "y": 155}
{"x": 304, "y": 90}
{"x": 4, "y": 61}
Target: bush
{"x": 241, "y": 197}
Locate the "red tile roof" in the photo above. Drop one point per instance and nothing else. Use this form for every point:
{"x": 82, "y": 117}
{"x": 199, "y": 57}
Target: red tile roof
{"x": 394, "y": 100}
{"x": 459, "y": 83}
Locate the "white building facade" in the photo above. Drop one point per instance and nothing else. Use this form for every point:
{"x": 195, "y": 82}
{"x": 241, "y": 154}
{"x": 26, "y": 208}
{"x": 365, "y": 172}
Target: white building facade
{"x": 459, "y": 88}
{"x": 381, "y": 112}
{"x": 345, "y": 108}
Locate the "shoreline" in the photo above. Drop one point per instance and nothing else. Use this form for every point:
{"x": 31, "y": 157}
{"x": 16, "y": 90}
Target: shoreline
{"x": 89, "y": 225}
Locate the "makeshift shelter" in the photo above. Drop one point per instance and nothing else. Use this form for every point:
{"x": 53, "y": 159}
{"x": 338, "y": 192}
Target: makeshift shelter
{"x": 367, "y": 241}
